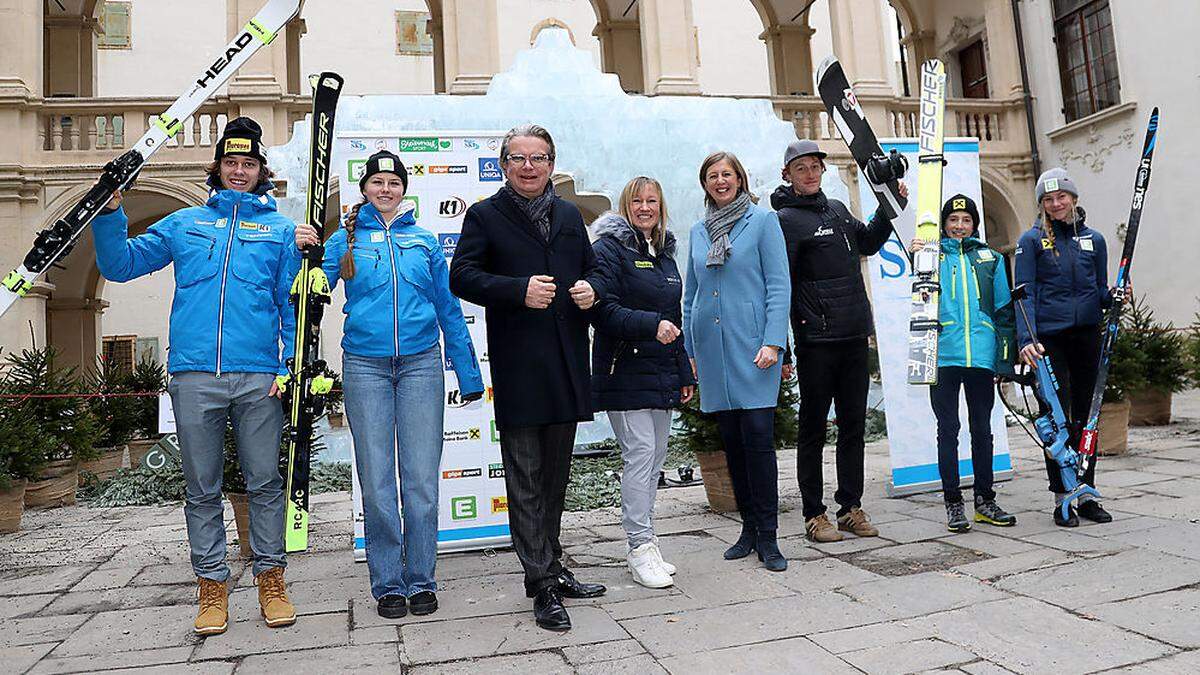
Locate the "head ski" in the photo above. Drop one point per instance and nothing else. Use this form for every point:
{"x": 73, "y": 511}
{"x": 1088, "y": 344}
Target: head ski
{"x": 55, "y": 242}
{"x": 306, "y": 385}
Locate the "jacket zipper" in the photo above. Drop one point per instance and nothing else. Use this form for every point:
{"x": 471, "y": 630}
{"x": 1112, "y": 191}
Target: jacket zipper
{"x": 966, "y": 304}
{"x": 395, "y": 291}
{"x": 616, "y": 355}
{"x": 224, "y": 278}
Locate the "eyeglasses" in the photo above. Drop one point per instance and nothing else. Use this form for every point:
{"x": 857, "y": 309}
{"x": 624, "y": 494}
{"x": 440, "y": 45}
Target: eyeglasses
{"x": 535, "y": 160}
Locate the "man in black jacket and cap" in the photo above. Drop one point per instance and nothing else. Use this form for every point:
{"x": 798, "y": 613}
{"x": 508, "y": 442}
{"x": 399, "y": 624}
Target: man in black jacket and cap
{"x": 524, "y": 255}
{"x": 831, "y": 320}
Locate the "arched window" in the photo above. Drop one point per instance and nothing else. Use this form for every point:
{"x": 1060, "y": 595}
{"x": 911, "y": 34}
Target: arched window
{"x": 1087, "y": 57}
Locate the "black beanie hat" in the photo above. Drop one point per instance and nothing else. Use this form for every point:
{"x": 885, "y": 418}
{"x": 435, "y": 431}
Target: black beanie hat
{"x": 384, "y": 161}
{"x": 242, "y": 136}
{"x": 961, "y": 202}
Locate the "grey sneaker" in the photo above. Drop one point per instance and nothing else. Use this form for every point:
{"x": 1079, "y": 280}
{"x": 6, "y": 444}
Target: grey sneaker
{"x": 988, "y": 512}
{"x": 956, "y": 517}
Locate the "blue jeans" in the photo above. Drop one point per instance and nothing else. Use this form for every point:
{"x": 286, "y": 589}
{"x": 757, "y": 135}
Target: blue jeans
{"x": 394, "y": 406}
{"x": 204, "y": 404}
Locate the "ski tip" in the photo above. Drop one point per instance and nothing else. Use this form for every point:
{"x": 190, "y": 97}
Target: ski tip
{"x": 826, "y": 63}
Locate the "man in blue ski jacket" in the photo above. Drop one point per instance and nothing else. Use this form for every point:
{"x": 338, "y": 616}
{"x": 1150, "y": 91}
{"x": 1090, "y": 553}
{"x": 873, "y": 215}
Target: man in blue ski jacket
{"x": 231, "y": 328}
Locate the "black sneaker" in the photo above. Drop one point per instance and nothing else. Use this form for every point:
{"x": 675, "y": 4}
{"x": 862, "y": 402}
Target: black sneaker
{"x": 1092, "y": 510}
{"x": 423, "y": 603}
{"x": 956, "y": 517}
{"x": 392, "y": 606}
{"x": 988, "y": 512}
{"x": 1071, "y": 520}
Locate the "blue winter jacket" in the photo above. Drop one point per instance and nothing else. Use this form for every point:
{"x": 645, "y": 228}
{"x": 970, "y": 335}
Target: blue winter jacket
{"x": 975, "y": 308}
{"x": 234, "y": 262}
{"x": 400, "y": 294}
{"x": 1066, "y": 290}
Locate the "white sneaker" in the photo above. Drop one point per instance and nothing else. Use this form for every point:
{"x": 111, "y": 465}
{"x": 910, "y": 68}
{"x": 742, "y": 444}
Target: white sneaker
{"x": 644, "y": 566}
{"x": 667, "y": 567}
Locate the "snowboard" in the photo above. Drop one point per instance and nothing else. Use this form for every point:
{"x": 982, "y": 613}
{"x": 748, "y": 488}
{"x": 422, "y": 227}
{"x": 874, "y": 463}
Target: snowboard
{"x": 881, "y": 171}
{"x": 923, "y": 325}
{"x": 1112, "y": 322}
{"x": 306, "y": 385}
{"x": 55, "y": 242}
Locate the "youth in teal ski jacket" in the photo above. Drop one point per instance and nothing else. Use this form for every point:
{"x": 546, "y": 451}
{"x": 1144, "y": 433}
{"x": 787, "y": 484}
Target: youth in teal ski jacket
{"x": 975, "y": 308}
{"x": 400, "y": 294}
{"x": 234, "y": 262}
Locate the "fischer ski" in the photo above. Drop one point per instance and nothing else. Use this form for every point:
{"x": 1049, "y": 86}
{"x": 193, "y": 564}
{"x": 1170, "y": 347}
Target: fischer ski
{"x": 924, "y": 324}
{"x": 305, "y": 386}
{"x": 1051, "y": 423}
{"x": 882, "y": 172}
{"x": 55, "y": 242}
{"x": 1089, "y": 440}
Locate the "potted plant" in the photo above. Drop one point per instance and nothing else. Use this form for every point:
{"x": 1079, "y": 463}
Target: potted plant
{"x": 1126, "y": 368}
{"x": 1192, "y": 351}
{"x": 1165, "y": 368}
{"x": 23, "y": 451}
{"x": 116, "y": 413}
{"x": 333, "y": 400}
{"x": 61, "y": 416}
{"x": 148, "y": 379}
{"x": 698, "y": 432}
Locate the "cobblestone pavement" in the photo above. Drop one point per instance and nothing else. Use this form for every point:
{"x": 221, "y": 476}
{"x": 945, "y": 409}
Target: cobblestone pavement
{"x": 95, "y": 589}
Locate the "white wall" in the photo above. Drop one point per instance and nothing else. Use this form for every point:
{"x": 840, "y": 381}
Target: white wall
{"x": 358, "y": 40}
{"x": 733, "y": 60}
{"x": 171, "y": 42}
{"x": 1158, "y": 60}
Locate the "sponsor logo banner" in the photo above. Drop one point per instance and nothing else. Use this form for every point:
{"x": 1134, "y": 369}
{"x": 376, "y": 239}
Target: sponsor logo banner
{"x": 464, "y": 508}
{"x": 489, "y": 169}
{"x": 499, "y": 504}
{"x": 452, "y": 207}
{"x": 462, "y": 473}
{"x": 496, "y": 470}
{"x": 454, "y": 435}
{"x": 449, "y": 242}
{"x": 447, "y": 169}
{"x": 419, "y": 144}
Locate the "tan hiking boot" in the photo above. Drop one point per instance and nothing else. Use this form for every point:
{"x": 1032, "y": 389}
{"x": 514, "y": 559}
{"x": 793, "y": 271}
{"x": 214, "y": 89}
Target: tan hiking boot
{"x": 820, "y": 530}
{"x": 213, "y": 617}
{"x": 273, "y": 598}
{"x": 856, "y": 521}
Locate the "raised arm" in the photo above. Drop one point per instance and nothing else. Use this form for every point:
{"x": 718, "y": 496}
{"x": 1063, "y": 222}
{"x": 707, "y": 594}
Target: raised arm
{"x": 121, "y": 258}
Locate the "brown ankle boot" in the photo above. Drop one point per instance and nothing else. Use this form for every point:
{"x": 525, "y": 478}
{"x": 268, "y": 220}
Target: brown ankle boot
{"x": 277, "y": 609}
{"x": 213, "y": 617}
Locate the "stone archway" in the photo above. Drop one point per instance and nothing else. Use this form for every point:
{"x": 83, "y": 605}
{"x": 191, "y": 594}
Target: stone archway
{"x": 1004, "y": 224}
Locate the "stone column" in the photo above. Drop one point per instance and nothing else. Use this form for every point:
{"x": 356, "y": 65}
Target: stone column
{"x": 434, "y": 28}
{"x": 621, "y": 53}
{"x": 858, "y": 41}
{"x": 70, "y": 55}
{"x": 470, "y": 45}
{"x": 789, "y": 57}
{"x": 75, "y": 331}
{"x": 670, "y": 56}
{"x": 921, "y": 48}
{"x": 1004, "y": 66}
{"x": 21, "y": 34}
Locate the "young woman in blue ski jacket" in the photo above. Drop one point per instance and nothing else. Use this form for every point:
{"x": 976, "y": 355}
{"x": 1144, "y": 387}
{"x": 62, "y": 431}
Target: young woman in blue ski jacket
{"x": 975, "y": 343}
{"x": 640, "y": 370}
{"x": 397, "y": 301}
{"x": 231, "y": 328}
{"x": 1064, "y": 266}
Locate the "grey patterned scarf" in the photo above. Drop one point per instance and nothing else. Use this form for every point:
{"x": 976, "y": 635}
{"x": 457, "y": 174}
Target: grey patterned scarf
{"x": 719, "y": 222}
{"x": 537, "y": 210}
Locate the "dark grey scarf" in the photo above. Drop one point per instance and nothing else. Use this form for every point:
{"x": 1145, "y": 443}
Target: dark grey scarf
{"x": 537, "y": 210}
{"x": 719, "y": 222}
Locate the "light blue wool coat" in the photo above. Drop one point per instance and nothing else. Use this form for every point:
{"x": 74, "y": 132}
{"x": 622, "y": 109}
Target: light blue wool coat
{"x": 731, "y": 311}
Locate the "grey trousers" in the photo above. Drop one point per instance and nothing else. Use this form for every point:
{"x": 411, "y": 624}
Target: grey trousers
{"x": 203, "y": 405}
{"x": 643, "y": 437}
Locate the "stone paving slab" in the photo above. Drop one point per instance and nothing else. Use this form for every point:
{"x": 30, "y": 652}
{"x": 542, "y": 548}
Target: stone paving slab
{"x": 604, "y": 651}
{"x": 96, "y": 662}
{"x": 38, "y": 629}
{"x": 19, "y": 606}
{"x": 35, "y": 580}
{"x": 20, "y": 659}
{"x": 549, "y": 663}
{"x": 361, "y": 659}
{"x": 1093, "y": 581}
{"x": 794, "y": 655}
{"x": 133, "y": 597}
{"x": 921, "y": 594}
{"x": 504, "y": 634}
{"x": 1187, "y": 662}
{"x": 253, "y": 636}
{"x": 130, "y": 630}
{"x": 909, "y": 657}
{"x": 1181, "y": 539}
{"x": 642, "y": 664}
{"x": 1173, "y": 617}
{"x": 873, "y": 635}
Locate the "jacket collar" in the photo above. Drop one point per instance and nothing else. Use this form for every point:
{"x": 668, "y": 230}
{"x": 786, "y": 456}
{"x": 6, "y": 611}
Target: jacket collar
{"x": 226, "y": 200}
{"x": 507, "y": 207}
{"x": 369, "y": 217}
{"x": 614, "y": 226}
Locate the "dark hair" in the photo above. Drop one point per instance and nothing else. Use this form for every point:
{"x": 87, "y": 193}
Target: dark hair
{"x": 738, "y": 169}
{"x": 346, "y": 263}
{"x": 213, "y": 171}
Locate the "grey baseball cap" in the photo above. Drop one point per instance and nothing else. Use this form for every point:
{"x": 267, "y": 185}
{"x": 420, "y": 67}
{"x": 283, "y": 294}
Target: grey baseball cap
{"x": 802, "y": 148}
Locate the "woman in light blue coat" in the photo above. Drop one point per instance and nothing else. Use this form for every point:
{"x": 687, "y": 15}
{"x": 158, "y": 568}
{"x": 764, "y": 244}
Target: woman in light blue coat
{"x": 735, "y": 316}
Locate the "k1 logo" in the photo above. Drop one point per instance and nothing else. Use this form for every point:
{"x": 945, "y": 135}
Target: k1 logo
{"x": 451, "y": 207}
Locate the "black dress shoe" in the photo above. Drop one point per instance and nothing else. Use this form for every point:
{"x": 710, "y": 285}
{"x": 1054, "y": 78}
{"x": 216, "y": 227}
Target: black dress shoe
{"x": 392, "y": 606}
{"x": 549, "y": 612}
{"x": 570, "y": 587}
{"x": 768, "y": 552}
{"x": 744, "y": 546}
{"x": 1071, "y": 520}
{"x": 423, "y": 603}
{"x": 1092, "y": 510}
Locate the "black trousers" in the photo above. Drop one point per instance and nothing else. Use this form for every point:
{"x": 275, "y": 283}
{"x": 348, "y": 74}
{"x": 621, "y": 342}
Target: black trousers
{"x": 1075, "y": 356}
{"x": 537, "y": 467}
{"x": 836, "y": 373}
{"x": 749, "y": 440}
{"x": 977, "y": 383}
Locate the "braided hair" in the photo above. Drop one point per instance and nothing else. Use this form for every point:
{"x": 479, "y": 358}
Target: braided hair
{"x": 347, "y": 261}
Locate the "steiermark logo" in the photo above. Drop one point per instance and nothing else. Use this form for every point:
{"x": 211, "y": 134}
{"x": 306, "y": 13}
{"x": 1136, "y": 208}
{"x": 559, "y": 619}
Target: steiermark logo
{"x": 463, "y": 508}
{"x": 495, "y": 432}
{"x": 355, "y": 168}
{"x": 423, "y": 144}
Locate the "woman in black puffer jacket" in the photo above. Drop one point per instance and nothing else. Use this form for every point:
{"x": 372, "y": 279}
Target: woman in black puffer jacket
{"x": 640, "y": 370}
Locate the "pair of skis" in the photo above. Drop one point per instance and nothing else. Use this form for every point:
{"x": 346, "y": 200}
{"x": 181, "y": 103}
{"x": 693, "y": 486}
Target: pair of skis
{"x": 883, "y": 173}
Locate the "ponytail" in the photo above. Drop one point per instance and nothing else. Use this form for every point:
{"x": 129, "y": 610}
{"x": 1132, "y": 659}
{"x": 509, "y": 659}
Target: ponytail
{"x": 347, "y": 261}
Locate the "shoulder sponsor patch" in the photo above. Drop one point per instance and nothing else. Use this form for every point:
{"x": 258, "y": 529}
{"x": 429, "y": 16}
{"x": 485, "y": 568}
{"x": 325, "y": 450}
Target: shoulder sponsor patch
{"x": 376, "y": 237}
{"x": 985, "y": 255}
{"x": 222, "y": 222}
{"x": 1047, "y": 245}
{"x": 255, "y": 227}
{"x": 1085, "y": 244}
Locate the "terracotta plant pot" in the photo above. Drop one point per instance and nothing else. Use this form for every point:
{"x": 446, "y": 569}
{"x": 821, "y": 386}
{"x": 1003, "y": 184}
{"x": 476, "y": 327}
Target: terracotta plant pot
{"x": 717, "y": 485}
{"x": 55, "y": 487}
{"x": 12, "y": 505}
{"x": 337, "y": 420}
{"x": 241, "y": 517}
{"x": 138, "y": 448}
{"x": 1149, "y": 408}
{"x": 105, "y": 466}
{"x": 1114, "y": 428}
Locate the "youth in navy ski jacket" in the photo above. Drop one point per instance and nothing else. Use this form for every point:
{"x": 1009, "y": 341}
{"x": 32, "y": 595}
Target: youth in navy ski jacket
{"x": 400, "y": 294}
{"x": 235, "y": 259}
{"x": 1065, "y": 277}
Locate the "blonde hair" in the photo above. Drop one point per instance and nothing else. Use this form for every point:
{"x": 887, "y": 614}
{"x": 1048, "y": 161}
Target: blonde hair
{"x": 738, "y": 169}
{"x": 1046, "y": 225}
{"x": 346, "y": 263}
{"x": 658, "y": 236}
